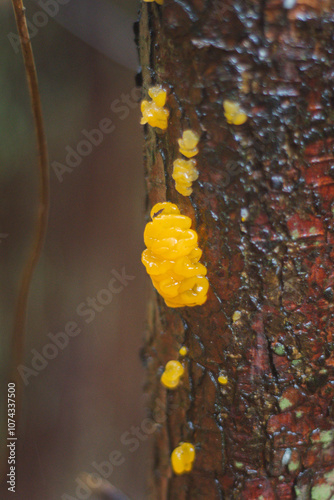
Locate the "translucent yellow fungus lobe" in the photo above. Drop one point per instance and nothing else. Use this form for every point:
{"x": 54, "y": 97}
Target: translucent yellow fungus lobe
{"x": 184, "y": 174}
{"x": 233, "y": 113}
{"x": 158, "y": 95}
{"x": 222, "y": 380}
{"x": 153, "y": 111}
{"x": 172, "y": 257}
{"x": 183, "y": 351}
{"x": 172, "y": 374}
{"x": 183, "y": 458}
{"x": 188, "y": 143}
{"x": 160, "y": 2}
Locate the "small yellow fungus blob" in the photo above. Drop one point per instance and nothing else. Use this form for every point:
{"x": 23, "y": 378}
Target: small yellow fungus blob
{"x": 222, "y": 380}
{"x": 158, "y": 95}
{"x": 153, "y": 111}
{"x": 233, "y": 113}
{"x": 183, "y": 351}
{"x": 236, "y": 316}
{"x": 172, "y": 257}
{"x": 183, "y": 458}
{"x": 188, "y": 143}
{"x": 184, "y": 174}
{"x": 172, "y": 374}
{"x": 160, "y": 2}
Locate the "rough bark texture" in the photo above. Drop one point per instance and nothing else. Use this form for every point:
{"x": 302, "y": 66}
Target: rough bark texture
{"x": 263, "y": 208}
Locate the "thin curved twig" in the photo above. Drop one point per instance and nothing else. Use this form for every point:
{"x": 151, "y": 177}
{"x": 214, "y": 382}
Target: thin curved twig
{"x": 17, "y": 352}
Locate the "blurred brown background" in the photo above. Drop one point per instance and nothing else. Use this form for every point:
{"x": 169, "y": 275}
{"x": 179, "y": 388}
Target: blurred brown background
{"x": 77, "y": 408}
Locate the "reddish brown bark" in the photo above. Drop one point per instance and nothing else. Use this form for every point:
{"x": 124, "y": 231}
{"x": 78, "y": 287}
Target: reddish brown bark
{"x": 263, "y": 208}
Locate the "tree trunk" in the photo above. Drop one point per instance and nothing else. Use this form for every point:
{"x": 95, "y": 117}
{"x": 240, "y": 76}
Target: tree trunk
{"x": 263, "y": 208}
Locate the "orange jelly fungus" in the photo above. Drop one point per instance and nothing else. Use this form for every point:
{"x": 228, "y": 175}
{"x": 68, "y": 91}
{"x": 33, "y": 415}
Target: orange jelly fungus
{"x": 172, "y": 374}
{"x": 153, "y": 111}
{"x": 233, "y": 114}
{"x": 172, "y": 257}
{"x": 184, "y": 174}
{"x": 222, "y": 380}
{"x": 188, "y": 143}
{"x": 183, "y": 458}
{"x": 183, "y": 351}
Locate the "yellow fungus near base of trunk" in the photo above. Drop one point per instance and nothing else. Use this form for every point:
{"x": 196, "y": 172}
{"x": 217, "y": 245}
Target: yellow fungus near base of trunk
{"x": 182, "y": 458}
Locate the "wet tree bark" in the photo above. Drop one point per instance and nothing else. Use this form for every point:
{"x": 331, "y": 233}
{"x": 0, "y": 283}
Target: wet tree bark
{"x": 263, "y": 207}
